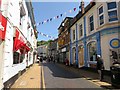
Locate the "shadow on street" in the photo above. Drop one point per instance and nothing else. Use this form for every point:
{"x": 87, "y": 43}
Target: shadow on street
{"x": 58, "y": 71}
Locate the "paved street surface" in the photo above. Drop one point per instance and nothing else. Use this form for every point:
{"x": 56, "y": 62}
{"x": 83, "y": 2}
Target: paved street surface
{"x": 57, "y": 77}
{"x": 30, "y": 79}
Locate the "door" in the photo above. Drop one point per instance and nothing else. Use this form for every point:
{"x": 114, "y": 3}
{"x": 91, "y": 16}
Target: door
{"x": 81, "y": 56}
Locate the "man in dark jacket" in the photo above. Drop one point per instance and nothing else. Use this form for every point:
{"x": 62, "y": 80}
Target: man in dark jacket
{"x": 100, "y": 67}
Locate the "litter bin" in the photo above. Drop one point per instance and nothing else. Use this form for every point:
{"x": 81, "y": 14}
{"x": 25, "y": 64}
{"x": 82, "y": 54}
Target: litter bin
{"x": 115, "y": 75}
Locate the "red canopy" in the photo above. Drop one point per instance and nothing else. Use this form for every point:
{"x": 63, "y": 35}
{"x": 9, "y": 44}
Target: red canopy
{"x": 19, "y": 43}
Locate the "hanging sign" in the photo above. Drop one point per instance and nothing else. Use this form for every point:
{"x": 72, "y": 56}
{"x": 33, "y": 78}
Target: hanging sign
{"x": 115, "y": 43}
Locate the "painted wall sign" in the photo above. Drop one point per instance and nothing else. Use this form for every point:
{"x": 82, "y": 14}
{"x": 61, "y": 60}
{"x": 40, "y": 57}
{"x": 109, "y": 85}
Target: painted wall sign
{"x": 115, "y": 43}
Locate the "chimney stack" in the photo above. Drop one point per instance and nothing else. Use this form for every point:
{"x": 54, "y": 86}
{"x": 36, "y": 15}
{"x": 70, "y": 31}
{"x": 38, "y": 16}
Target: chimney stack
{"x": 82, "y": 6}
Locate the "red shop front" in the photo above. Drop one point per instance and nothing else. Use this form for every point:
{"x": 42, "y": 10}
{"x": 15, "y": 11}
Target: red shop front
{"x": 19, "y": 42}
{"x": 20, "y": 47}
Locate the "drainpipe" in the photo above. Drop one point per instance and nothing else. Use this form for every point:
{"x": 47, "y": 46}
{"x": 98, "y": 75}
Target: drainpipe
{"x": 76, "y": 46}
{"x": 85, "y": 45}
{"x": 70, "y": 48}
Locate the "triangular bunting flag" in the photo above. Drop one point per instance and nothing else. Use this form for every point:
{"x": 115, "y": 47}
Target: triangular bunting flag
{"x": 50, "y": 19}
{"x": 74, "y": 9}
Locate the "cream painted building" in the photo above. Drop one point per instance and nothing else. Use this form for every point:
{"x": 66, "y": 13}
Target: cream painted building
{"x": 96, "y": 31}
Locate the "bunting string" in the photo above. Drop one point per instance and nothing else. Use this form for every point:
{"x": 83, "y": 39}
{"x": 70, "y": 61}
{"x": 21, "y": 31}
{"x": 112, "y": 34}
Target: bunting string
{"x": 56, "y": 17}
{"x": 48, "y": 36}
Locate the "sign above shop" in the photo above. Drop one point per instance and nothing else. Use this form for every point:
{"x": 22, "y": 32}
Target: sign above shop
{"x": 115, "y": 43}
{"x": 3, "y": 23}
{"x": 64, "y": 50}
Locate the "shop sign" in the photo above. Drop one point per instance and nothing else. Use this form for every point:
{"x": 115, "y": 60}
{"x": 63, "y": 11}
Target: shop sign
{"x": 64, "y": 50}
{"x": 115, "y": 43}
{"x": 3, "y": 23}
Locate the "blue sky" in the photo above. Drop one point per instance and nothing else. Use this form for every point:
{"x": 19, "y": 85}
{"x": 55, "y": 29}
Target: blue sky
{"x": 47, "y": 10}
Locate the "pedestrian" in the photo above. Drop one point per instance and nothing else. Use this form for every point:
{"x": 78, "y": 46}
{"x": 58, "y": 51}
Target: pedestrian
{"x": 100, "y": 67}
{"x": 66, "y": 62}
{"x": 41, "y": 59}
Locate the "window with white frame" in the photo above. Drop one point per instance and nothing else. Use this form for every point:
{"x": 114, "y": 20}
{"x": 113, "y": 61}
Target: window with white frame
{"x": 112, "y": 11}
{"x": 80, "y": 30}
{"x": 73, "y": 35}
{"x": 101, "y": 15}
{"x": 91, "y": 23}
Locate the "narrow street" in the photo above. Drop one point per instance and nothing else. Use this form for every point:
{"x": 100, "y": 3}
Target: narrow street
{"x": 57, "y": 77}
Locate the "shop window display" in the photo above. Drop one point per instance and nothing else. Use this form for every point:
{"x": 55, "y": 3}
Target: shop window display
{"x": 92, "y": 51}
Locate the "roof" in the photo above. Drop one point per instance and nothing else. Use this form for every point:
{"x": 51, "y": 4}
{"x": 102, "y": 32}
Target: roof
{"x": 64, "y": 21}
{"x": 79, "y": 15}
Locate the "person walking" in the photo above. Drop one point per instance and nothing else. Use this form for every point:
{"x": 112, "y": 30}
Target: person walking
{"x": 100, "y": 67}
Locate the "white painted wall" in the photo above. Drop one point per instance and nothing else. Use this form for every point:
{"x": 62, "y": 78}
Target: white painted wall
{"x": 1, "y": 63}
{"x": 105, "y": 47}
{"x": 13, "y": 14}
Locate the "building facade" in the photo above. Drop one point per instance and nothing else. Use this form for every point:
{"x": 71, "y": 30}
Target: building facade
{"x": 42, "y": 50}
{"x": 95, "y": 31}
{"x": 18, "y": 39}
{"x": 64, "y": 39}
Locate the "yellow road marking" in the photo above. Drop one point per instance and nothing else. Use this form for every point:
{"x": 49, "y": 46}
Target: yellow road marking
{"x": 43, "y": 80}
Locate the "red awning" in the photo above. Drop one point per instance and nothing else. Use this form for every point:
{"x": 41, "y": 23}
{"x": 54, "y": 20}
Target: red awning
{"x": 3, "y": 23}
{"x": 19, "y": 43}
{"x": 27, "y": 48}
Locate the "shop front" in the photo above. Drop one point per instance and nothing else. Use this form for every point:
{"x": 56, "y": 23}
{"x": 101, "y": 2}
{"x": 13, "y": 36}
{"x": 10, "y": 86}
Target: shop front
{"x": 80, "y": 56}
{"x": 63, "y": 54}
{"x": 92, "y": 53}
{"x": 73, "y": 55}
{"x": 20, "y": 47}
{"x": 110, "y": 44}
{"x": 3, "y": 24}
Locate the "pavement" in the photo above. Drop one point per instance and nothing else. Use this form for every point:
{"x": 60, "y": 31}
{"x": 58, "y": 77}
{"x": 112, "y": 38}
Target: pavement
{"x": 91, "y": 76}
{"x": 32, "y": 78}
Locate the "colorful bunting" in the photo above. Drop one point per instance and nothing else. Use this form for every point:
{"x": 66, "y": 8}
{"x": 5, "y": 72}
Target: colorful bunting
{"x": 61, "y": 15}
{"x": 74, "y": 9}
{"x": 50, "y": 19}
{"x": 45, "y": 35}
{"x": 58, "y": 16}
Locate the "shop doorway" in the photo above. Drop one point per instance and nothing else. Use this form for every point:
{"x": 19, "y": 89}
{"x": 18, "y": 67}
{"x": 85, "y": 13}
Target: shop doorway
{"x": 114, "y": 56}
{"x": 73, "y": 55}
{"x": 81, "y": 56}
{"x": 92, "y": 53}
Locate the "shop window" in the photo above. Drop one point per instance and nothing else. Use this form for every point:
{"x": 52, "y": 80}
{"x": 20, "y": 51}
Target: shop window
{"x": 19, "y": 55}
{"x": 80, "y": 30}
{"x": 16, "y": 57}
{"x": 22, "y": 56}
{"x": 101, "y": 16}
{"x": 91, "y": 23}
{"x": 112, "y": 11}
{"x": 92, "y": 51}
